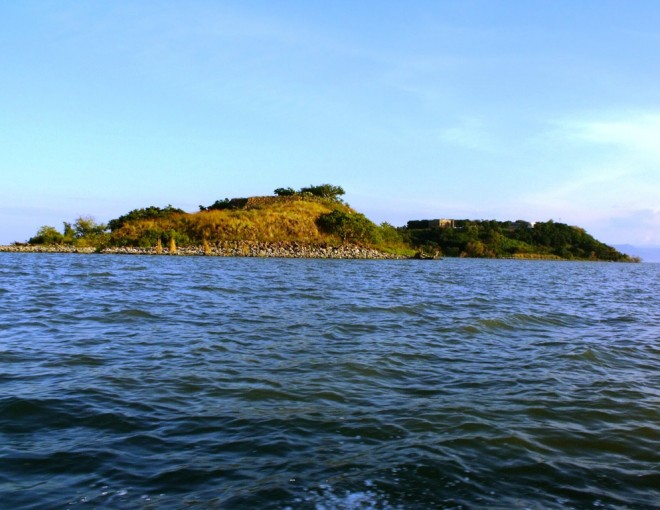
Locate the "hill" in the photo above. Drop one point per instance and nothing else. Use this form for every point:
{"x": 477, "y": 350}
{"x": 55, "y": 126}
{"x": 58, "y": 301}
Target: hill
{"x": 316, "y": 216}
{"x": 312, "y": 216}
{"x": 511, "y": 239}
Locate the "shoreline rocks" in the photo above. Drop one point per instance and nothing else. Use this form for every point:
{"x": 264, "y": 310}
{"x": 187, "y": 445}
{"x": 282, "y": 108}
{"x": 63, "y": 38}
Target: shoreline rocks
{"x": 226, "y": 249}
{"x": 42, "y": 248}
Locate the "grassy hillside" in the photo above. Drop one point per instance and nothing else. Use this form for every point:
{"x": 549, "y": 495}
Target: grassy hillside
{"x": 274, "y": 221}
{"x": 316, "y": 216}
{"x": 313, "y": 216}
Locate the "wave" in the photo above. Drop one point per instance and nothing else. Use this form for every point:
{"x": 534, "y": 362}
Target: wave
{"x": 207, "y": 383}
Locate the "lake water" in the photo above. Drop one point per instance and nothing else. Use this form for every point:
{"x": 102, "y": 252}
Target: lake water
{"x": 135, "y": 382}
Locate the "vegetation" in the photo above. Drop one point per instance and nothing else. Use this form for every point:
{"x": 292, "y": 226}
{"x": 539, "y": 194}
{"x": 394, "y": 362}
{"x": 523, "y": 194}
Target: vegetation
{"x": 148, "y": 213}
{"x": 47, "y": 235}
{"x": 324, "y": 191}
{"x": 350, "y": 227}
{"x": 519, "y": 239}
{"x": 327, "y": 191}
{"x": 221, "y": 205}
{"x": 316, "y": 215}
{"x": 85, "y": 231}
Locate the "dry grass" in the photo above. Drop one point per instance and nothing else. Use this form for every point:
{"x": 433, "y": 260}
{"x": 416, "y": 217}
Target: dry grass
{"x": 292, "y": 221}
{"x": 272, "y": 222}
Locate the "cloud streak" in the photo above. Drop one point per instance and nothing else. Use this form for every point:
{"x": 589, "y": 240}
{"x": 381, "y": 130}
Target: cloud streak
{"x": 638, "y": 134}
{"x": 613, "y": 184}
{"x": 471, "y": 133}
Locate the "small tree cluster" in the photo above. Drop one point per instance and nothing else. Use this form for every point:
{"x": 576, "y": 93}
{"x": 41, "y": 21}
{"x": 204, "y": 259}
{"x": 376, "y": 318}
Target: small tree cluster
{"x": 490, "y": 238}
{"x": 85, "y": 231}
{"x": 285, "y": 192}
{"x": 47, "y": 235}
{"x": 151, "y": 212}
{"x": 221, "y": 205}
{"x": 350, "y": 227}
{"x": 327, "y": 191}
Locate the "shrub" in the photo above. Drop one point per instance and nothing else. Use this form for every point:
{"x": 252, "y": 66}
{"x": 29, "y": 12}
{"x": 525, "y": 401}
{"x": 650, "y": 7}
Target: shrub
{"x": 87, "y": 232}
{"x": 151, "y": 212}
{"x": 285, "y": 192}
{"x": 324, "y": 191}
{"x": 47, "y": 235}
{"x": 350, "y": 227}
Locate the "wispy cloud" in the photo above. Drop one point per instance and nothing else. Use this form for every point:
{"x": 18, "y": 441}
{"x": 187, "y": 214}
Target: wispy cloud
{"x": 639, "y": 133}
{"x": 641, "y": 225}
{"x": 612, "y": 176}
{"x": 470, "y": 133}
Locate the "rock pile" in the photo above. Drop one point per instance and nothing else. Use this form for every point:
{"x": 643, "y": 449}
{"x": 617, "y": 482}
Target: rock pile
{"x": 44, "y": 248}
{"x": 229, "y": 249}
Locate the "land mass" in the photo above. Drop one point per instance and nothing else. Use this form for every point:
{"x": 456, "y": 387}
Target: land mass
{"x": 314, "y": 222}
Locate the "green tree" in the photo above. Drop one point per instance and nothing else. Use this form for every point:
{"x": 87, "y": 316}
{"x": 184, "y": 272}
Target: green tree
{"x": 324, "y": 191}
{"x": 86, "y": 226}
{"x": 69, "y": 233}
{"x": 285, "y": 192}
{"x": 151, "y": 212}
{"x": 475, "y": 249}
{"x": 390, "y": 234}
{"x": 350, "y": 227}
{"x": 47, "y": 235}
{"x": 87, "y": 232}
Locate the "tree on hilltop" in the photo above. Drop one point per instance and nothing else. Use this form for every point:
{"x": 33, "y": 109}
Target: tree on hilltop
{"x": 327, "y": 191}
{"x": 324, "y": 191}
{"x": 151, "y": 212}
{"x": 285, "y": 192}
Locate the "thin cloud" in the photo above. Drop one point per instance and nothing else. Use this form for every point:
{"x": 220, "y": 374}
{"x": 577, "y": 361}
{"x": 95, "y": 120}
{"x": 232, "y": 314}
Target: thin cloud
{"x": 639, "y": 133}
{"x": 612, "y": 173}
{"x": 472, "y": 134}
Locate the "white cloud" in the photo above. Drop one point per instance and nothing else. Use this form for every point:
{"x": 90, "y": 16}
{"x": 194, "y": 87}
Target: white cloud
{"x": 638, "y": 133}
{"x": 610, "y": 184}
{"x": 636, "y": 227}
{"x": 470, "y": 133}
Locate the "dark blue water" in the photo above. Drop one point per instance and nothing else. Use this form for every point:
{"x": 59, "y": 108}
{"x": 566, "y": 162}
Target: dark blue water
{"x": 170, "y": 382}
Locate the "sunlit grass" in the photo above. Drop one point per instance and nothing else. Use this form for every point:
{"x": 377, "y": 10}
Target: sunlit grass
{"x": 291, "y": 221}
{"x": 263, "y": 221}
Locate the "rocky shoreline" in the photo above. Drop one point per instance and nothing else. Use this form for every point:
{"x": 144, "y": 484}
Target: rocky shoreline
{"x": 232, "y": 249}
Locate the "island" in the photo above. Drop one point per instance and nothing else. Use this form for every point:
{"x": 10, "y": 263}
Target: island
{"x": 313, "y": 222}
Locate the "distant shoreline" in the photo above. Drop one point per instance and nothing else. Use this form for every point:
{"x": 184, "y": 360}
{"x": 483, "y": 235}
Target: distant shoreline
{"x": 291, "y": 250}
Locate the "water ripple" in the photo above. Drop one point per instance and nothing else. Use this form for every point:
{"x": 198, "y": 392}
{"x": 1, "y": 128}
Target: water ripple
{"x": 137, "y": 382}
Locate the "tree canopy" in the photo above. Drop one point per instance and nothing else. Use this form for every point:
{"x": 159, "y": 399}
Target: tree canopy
{"x": 490, "y": 238}
{"x": 317, "y": 214}
{"x": 150, "y": 212}
{"x": 328, "y": 191}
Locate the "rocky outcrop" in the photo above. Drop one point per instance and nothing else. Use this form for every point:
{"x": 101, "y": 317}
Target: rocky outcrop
{"x": 43, "y": 248}
{"x": 229, "y": 249}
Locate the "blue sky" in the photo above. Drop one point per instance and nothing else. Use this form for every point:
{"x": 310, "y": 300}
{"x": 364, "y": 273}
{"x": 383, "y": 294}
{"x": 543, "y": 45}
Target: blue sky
{"x": 480, "y": 109}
